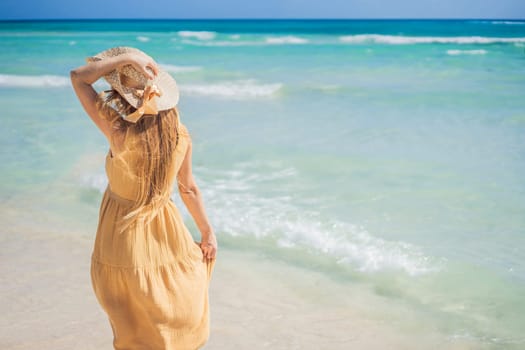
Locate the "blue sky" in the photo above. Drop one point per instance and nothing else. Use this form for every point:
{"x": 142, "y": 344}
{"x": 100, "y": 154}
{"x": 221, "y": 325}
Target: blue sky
{"x": 63, "y": 9}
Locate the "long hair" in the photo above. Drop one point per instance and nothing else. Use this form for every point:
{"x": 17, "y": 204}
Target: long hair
{"x": 158, "y": 137}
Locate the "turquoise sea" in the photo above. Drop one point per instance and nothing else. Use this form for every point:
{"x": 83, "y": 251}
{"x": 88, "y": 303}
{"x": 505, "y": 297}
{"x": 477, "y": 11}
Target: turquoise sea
{"x": 383, "y": 153}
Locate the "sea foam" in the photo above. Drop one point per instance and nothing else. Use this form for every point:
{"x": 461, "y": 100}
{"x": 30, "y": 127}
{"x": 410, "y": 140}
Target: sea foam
{"x": 179, "y": 69}
{"x": 508, "y": 22}
{"x": 404, "y": 40}
{"x": 238, "y": 208}
{"x": 240, "y": 89}
{"x": 235, "y": 41}
{"x": 201, "y": 35}
{"x": 223, "y": 43}
{"x": 289, "y": 39}
{"x": 466, "y": 52}
{"x": 36, "y": 81}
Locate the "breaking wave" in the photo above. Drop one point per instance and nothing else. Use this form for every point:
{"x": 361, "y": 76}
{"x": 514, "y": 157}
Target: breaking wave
{"x": 466, "y": 52}
{"x": 179, "y": 69}
{"x": 36, "y": 81}
{"x": 201, "y": 35}
{"x": 240, "y": 89}
{"x": 405, "y": 40}
{"x": 289, "y": 39}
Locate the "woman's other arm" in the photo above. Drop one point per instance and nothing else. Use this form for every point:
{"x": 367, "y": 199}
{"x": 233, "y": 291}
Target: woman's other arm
{"x": 191, "y": 196}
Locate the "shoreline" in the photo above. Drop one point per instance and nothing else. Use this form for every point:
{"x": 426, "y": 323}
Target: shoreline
{"x": 256, "y": 303}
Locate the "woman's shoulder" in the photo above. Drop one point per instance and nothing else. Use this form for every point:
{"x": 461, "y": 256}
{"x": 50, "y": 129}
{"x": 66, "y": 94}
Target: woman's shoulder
{"x": 183, "y": 130}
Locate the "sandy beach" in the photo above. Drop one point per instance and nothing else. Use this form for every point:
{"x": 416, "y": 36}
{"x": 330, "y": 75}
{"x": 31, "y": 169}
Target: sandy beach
{"x": 256, "y": 303}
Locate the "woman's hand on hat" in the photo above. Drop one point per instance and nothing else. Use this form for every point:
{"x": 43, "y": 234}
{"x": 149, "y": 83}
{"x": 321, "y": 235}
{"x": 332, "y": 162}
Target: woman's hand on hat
{"x": 144, "y": 64}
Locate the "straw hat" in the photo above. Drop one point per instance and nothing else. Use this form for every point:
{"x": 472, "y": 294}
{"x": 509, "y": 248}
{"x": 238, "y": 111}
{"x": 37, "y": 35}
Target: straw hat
{"x": 168, "y": 92}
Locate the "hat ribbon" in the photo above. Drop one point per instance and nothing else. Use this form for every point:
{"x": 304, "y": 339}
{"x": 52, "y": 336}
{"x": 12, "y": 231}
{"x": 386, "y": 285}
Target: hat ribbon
{"x": 148, "y": 106}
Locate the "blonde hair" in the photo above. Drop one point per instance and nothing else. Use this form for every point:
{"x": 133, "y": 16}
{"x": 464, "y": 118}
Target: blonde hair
{"x": 158, "y": 137}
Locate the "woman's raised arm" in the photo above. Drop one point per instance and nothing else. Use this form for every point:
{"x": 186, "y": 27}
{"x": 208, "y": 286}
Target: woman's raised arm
{"x": 83, "y": 77}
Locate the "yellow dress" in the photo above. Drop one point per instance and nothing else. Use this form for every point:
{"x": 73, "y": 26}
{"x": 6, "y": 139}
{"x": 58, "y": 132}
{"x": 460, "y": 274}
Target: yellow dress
{"x": 151, "y": 280}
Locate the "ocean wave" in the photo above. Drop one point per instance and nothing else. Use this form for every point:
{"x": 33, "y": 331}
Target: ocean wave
{"x": 240, "y": 89}
{"x": 9, "y": 80}
{"x": 179, "y": 69}
{"x": 466, "y": 52}
{"x": 238, "y": 211}
{"x": 223, "y": 43}
{"x": 508, "y": 22}
{"x": 352, "y": 245}
{"x": 235, "y": 41}
{"x": 289, "y": 39}
{"x": 143, "y": 39}
{"x": 404, "y": 40}
{"x": 201, "y": 35}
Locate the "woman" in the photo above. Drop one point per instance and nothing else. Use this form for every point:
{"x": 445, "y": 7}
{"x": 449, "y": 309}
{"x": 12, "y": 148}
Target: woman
{"x": 148, "y": 274}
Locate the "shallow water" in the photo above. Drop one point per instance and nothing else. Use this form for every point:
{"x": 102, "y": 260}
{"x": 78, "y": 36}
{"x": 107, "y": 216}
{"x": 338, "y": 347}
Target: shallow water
{"x": 388, "y": 154}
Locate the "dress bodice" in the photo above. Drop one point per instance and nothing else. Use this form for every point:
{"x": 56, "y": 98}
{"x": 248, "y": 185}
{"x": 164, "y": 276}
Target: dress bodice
{"x": 121, "y": 167}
